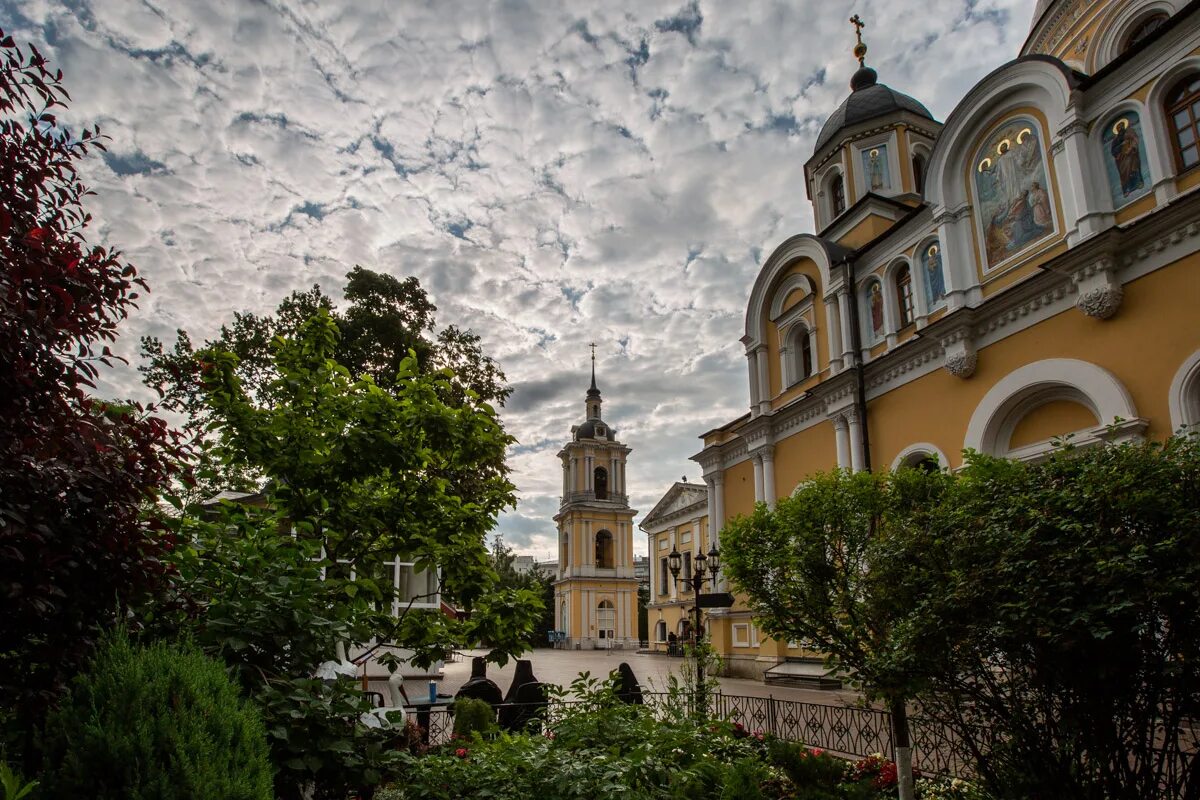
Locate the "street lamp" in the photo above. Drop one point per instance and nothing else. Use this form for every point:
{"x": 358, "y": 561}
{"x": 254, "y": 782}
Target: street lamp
{"x": 703, "y": 567}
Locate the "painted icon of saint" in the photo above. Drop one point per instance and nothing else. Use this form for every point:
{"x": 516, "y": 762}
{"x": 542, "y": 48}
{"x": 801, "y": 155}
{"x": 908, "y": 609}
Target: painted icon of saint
{"x": 876, "y": 170}
{"x": 876, "y": 310}
{"x": 1126, "y": 150}
{"x": 935, "y": 281}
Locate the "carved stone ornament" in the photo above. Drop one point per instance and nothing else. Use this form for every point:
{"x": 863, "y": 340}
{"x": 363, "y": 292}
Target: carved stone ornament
{"x": 1101, "y": 302}
{"x": 962, "y": 364}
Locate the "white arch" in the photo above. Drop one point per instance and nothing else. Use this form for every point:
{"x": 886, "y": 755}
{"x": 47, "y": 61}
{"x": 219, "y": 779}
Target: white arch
{"x": 790, "y": 284}
{"x": 798, "y": 247}
{"x": 1184, "y": 397}
{"x": 892, "y": 297}
{"x": 1054, "y": 378}
{"x": 921, "y": 449}
{"x": 1116, "y": 25}
{"x": 1038, "y": 81}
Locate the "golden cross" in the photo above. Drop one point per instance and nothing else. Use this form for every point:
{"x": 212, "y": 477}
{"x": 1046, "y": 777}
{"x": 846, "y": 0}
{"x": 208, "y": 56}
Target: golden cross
{"x": 860, "y": 49}
{"x": 593, "y": 346}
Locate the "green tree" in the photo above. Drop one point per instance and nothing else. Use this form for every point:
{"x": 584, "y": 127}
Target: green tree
{"x": 1053, "y": 620}
{"x": 384, "y": 321}
{"x": 535, "y": 580}
{"x": 360, "y": 475}
{"x": 818, "y": 568}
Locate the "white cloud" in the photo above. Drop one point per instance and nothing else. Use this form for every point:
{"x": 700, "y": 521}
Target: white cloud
{"x": 553, "y": 172}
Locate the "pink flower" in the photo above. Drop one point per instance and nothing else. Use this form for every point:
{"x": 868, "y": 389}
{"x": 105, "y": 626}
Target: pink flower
{"x": 461, "y": 752}
{"x": 816, "y": 751}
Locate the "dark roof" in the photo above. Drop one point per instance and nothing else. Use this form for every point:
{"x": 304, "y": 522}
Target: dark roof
{"x": 868, "y": 100}
{"x": 588, "y": 431}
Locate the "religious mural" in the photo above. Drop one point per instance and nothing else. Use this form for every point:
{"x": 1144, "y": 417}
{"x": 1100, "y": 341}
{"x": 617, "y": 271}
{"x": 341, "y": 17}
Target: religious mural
{"x": 1125, "y": 160}
{"x": 875, "y": 168}
{"x": 875, "y": 304}
{"x": 1012, "y": 191}
{"x": 935, "y": 278}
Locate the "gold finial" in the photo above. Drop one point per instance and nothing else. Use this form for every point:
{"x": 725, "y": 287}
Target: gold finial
{"x": 860, "y": 49}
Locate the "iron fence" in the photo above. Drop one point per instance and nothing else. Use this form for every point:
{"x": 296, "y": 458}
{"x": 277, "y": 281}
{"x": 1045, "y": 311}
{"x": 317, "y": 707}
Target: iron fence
{"x": 844, "y": 730}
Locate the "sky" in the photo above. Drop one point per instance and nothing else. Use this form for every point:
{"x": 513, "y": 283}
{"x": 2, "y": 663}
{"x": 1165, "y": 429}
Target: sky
{"x": 554, "y": 173}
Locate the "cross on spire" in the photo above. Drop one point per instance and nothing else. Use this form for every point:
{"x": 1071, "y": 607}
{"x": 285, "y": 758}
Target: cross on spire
{"x": 860, "y": 49}
{"x": 593, "y": 346}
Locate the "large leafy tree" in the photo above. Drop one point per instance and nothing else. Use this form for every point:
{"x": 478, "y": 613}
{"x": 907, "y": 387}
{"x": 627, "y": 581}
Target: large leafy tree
{"x": 81, "y": 541}
{"x": 1054, "y": 620}
{"x": 819, "y": 568}
{"x": 384, "y": 319}
{"x": 359, "y": 475}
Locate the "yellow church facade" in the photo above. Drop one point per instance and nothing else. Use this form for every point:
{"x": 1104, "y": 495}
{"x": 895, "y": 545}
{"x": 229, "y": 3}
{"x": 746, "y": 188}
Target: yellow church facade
{"x": 1026, "y": 269}
{"x": 595, "y": 594}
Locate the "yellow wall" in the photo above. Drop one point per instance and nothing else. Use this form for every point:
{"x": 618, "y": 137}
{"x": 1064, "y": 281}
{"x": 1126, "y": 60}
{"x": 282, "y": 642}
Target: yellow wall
{"x": 739, "y": 489}
{"x": 1136, "y": 208}
{"x": 796, "y": 457}
{"x": 866, "y": 230}
{"x": 1049, "y": 420}
{"x": 1143, "y": 346}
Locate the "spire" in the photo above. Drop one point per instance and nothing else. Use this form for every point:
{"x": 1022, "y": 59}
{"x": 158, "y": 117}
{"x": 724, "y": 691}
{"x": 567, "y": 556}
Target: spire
{"x": 864, "y": 76}
{"x": 593, "y": 391}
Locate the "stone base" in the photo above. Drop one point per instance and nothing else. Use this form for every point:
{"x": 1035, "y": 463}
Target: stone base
{"x": 746, "y": 666}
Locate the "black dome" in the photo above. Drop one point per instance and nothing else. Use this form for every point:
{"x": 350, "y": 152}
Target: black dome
{"x": 868, "y": 100}
{"x": 588, "y": 431}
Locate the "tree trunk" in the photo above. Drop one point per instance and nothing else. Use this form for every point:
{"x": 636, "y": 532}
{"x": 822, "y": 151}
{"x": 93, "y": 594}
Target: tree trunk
{"x": 903, "y": 750}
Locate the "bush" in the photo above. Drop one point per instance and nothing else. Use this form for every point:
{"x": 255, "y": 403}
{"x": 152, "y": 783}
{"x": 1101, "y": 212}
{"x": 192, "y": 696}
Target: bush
{"x": 156, "y": 723}
{"x": 743, "y": 780}
{"x": 473, "y": 716}
{"x": 815, "y": 774}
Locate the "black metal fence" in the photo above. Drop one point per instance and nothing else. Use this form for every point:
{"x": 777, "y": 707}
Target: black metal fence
{"x": 845, "y": 730}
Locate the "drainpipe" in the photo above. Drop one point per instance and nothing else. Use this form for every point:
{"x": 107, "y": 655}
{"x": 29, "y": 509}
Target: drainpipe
{"x": 860, "y": 380}
{"x": 899, "y": 712}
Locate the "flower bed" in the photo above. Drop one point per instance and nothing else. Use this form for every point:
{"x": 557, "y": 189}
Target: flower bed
{"x": 603, "y": 748}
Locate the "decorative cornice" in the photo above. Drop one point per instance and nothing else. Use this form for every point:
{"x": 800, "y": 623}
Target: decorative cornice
{"x": 962, "y": 365}
{"x": 1101, "y": 302}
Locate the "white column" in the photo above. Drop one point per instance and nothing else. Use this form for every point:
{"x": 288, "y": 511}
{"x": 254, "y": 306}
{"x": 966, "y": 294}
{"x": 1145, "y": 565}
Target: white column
{"x": 768, "y": 469}
{"x": 719, "y": 491}
{"x": 764, "y": 383}
{"x": 752, "y": 366}
{"x": 834, "y": 331}
{"x": 856, "y": 453}
{"x": 843, "y": 442}
{"x": 589, "y": 544}
{"x": 846, "y": 318}
{"x": 758, "y": 478}
{"x": 587, "y": 474}
{"x": 1077, "y": 201}
{"x": 574, "y": 473}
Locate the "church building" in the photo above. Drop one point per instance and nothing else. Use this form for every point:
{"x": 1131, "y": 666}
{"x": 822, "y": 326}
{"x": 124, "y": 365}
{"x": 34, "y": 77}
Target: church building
{"x": 596, "y": 592}
{"x": 1025, "y": 269}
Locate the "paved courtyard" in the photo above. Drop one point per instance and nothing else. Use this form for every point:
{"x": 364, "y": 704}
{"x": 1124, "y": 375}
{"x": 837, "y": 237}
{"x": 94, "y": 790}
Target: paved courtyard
{"x": 562, "y": 667}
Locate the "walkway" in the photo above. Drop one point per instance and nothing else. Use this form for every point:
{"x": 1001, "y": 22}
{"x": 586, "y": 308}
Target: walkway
{"x": 563, "y": 666}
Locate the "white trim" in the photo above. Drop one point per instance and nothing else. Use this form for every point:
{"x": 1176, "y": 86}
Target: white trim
{"x": 1120, "y": 22}
{"x": 888, "y": 140}
{"x": 1084, "y": 382}
{"x": 790, "y": 284}
{"x": 1162, "y": 126}
{"x": 924, "y": 449}
{"x": 1184, "y": 396}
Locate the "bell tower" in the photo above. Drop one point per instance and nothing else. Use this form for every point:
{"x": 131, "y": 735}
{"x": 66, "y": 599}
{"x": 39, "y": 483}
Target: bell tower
{"x": 595, "y": 596}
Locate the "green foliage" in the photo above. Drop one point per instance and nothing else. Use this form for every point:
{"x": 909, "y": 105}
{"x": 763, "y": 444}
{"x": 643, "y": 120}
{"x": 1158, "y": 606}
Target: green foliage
{"x": 12, "y": 785}
{"x": 743, "y": 779}
{"x": 816, "y": 775}
{"x": 473, "y": 717}
{"x": 158, "y": 722}
{"x": 1052, "y": 616}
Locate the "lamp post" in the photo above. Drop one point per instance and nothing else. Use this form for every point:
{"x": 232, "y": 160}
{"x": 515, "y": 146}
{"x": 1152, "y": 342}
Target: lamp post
{"x": 703, "y": 568}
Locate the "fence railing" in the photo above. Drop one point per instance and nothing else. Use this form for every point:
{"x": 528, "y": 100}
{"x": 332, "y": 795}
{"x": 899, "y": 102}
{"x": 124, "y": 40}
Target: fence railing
{"x": 850, "y": 731}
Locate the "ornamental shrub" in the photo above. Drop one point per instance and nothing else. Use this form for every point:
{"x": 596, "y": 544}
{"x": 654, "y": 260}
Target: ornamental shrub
{"x": 161, "y": 722}
{"x": 473, "y": 716}
{"x": 816, "y": 774}
{"x": 743, "y": 780}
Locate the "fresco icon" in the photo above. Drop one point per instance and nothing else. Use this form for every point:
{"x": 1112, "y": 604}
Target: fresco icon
{"x": 1125, "y": 161}
{"x": 935, "y": 278}
{"x": 875, "y": 303}
{"x": 1012, "y": 191}
{"x": 875, "y": 168}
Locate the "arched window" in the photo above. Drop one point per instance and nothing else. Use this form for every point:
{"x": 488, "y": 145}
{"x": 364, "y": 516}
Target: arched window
{"x": 1182, "y": 107}
{"x": 604, "y": 550}
{"x": 1143, "y": 29}
{"x": 904, "y": 295}
{"x": 805, "y": 356}
{"x": 837, "y": 194}
{"x": 918, "y": 164}
{"x": 600, "y": 482}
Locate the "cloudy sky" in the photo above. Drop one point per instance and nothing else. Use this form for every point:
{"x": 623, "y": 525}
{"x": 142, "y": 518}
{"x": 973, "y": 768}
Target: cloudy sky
{"x": 553, "y": 172}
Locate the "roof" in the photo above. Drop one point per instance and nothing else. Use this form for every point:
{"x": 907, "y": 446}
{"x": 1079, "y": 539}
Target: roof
{"x": 868, "y": 99}
{"x": 680, "y": 496}
{"x": 588, "y": 431}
